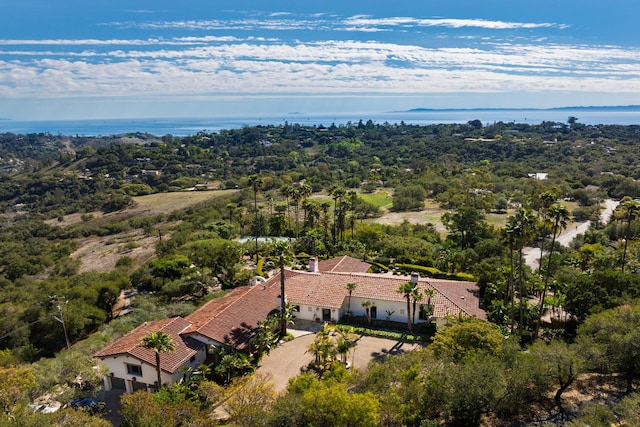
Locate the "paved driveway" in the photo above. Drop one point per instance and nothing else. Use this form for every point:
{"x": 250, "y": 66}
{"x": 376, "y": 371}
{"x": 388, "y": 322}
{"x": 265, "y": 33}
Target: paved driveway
{"x": 288, "y": 359}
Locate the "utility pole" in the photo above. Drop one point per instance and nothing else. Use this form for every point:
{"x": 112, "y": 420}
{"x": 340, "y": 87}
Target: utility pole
{"x": 56, "y": 300}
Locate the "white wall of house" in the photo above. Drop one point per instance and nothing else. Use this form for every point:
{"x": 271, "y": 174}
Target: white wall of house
{"x": 133, "y": 370}
{"x": 310, "y": 312}
{"x": 398, "y": 308}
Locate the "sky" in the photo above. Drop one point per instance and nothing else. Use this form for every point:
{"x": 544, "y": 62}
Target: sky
{"x": 70, "y": 60}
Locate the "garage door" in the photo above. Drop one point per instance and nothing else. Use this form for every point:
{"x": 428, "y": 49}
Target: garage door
{"x": 118, "y": 383}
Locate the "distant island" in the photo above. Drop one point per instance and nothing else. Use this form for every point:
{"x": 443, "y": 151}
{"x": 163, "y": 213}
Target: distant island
{"x": 570, "y": 108}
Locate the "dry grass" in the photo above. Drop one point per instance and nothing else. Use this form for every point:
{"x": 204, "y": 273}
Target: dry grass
{"x": 150, "y": 205}
{"x": 102, "y": 253}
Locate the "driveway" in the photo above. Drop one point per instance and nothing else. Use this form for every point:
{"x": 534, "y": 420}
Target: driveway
{"x": 532, "y": 255}
{"x": 289, "y": 359}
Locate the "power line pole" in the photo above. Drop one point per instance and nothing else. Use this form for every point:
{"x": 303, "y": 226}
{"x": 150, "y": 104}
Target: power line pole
{"x": 56, "y": 300}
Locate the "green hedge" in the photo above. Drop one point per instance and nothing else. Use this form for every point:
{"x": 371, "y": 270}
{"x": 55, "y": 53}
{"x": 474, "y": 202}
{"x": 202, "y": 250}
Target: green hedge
{"x": 391, "y": 335}
{"x": 434, "y": 272}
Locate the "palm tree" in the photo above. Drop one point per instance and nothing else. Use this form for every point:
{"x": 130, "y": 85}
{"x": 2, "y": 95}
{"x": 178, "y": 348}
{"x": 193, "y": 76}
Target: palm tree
{"x": 323, "y": 348}
{"x": 338, "y": 196}
{"x": 345, "y": 341}
{"x": 350, "y": 288}
{"x": 416, "y": 295}
{"x": 159, "y": 342}
{"x": 296, "y": 196}
{"x": 630, "y": 211}
{"x": 367, "y": 309}
{"x": 305, "y": 191}
{"x": 559, "y": 214}
{"x": 353, "y": 198}
{"x": 429, "y": 294}
{"x": 256, "y": 183}
{"x": 282, "y": 250}
{"x": 406, "y": 289}
{"x": 546, "y": 200}
{"x": 520, "y": 229}
{"x": 231, "y": 207}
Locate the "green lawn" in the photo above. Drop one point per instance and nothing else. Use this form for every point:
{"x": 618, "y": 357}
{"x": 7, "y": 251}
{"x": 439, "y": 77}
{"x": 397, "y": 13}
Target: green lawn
{"x": 381, "y": 198}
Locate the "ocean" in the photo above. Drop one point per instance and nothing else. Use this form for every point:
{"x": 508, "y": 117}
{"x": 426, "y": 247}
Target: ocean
{"x": 191, "y": 126}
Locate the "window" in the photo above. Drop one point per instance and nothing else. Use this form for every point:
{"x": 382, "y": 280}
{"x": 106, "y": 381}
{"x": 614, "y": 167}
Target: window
{"x": 134, "y": 370}
{"x": 193, "y": 359}
{"x": 296, "y": 309}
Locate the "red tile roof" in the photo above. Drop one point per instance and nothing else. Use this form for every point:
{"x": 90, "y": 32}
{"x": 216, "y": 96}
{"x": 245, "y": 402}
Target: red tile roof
{"x": 328, "y": 289}
{"x": 233, "y": 318}
{"x": 344, "y": 264}
{"x": 130, "y": 344}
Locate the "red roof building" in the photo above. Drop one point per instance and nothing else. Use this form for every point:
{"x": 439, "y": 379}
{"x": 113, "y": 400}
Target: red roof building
{"x": 320, "y": 294}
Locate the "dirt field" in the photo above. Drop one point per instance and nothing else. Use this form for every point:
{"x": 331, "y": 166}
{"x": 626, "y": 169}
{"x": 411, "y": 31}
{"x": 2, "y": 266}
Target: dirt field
{"x": 102, "y": 253}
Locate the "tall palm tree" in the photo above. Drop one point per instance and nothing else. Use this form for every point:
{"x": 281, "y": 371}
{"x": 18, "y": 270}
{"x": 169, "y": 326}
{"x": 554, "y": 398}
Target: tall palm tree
{"x": 256, "y": 183}
{"x": 559, "y": 214}
{"x": 545, "y": 200}
{"x": 350, "y": 288}
{"x": 338, "y": 194}
{"x": 282, "y": 251}
{"x": 520, "y": 229}
{"x": 353, "y": 198}
{"x": 406, "y": 289}
{"x": 630, "y": 211}
{"x": 305, "y": 191}
{"x": 296, "y": 196}
{"x": 231, "y": 207}
{"x": 159, "y": 342}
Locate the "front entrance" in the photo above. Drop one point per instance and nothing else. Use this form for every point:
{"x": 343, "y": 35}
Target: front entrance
{"x": 326, "y": 315}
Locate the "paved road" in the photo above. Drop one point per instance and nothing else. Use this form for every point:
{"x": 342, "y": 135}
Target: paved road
{"x": 289, "y": 359}
{"x": 532, "y": 255}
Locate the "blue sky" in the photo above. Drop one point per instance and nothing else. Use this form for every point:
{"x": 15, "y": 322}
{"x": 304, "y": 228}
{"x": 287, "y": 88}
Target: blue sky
{"x": 68, "y": 59}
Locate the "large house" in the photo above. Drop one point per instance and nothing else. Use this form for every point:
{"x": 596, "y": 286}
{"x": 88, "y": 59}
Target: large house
{"x": 319, "y": 294}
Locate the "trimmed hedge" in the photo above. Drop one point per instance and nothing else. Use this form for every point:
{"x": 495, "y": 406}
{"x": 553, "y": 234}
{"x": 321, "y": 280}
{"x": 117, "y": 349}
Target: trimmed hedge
{"x": 434, "y": 272}
{"x": 391, "y": 335}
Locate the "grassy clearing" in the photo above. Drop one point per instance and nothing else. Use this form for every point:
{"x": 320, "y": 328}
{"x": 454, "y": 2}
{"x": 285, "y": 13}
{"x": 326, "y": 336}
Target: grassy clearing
{"x": 150, "y": 205}
{"x": 169, "y": 202}
{"x": 380, "y": 199}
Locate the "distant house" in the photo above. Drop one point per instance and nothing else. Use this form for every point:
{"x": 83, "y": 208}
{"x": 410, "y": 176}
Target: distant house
{"x": 209, "y": 186}
{"x": 538, "y": 175}
{"x": 319, "y": 294}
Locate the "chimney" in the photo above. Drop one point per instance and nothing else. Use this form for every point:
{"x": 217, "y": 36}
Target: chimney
{"x": 415, "y": 277}
{"x": 313, "y": 264}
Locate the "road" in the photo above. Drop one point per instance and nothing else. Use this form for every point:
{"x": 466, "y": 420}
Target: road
{"x": 532, "y": 255}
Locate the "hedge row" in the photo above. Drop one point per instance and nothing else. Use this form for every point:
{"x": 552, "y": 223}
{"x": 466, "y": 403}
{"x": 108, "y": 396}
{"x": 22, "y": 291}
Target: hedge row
{"x": 434, "y": 272}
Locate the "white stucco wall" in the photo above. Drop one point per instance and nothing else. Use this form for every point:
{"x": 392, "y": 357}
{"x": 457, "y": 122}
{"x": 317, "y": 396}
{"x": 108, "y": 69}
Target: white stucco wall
{"x": 308, "y": 312}
{"x": 399, "y": 310}
{"x": 118, "y": 367}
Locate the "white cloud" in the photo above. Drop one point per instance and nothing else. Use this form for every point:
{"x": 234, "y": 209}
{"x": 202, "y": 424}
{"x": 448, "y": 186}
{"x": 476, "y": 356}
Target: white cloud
{"x": 368, "y": 22}
{"x": 208, "y": 64}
